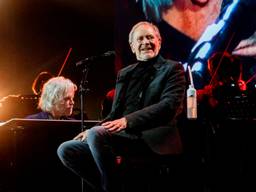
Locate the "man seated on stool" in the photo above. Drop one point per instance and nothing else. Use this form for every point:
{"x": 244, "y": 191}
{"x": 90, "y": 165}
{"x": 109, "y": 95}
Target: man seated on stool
{"x": 148, "y": 98}
{"x": 56, "y": 100}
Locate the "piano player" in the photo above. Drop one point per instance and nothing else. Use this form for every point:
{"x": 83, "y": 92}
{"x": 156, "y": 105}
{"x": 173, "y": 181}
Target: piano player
{"x": 56, "y": 100}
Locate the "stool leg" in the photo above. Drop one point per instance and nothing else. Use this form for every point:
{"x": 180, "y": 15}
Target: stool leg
{"x": 82, "y": 185}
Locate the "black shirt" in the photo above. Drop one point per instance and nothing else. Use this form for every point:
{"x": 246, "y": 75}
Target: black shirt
{"x": 138, "y": 82}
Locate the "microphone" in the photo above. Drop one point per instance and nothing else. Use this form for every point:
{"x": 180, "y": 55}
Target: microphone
{"x": 108, "y": 53}
{"x": 87, "y": 60}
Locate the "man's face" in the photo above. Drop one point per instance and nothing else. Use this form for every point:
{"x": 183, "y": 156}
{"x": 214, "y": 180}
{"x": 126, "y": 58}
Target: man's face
{"x": 65, "y": 107}
{"x": 145, "y": 43}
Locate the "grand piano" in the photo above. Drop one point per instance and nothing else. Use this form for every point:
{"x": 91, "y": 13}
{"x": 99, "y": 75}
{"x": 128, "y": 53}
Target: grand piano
{"x": 28, "y": 155}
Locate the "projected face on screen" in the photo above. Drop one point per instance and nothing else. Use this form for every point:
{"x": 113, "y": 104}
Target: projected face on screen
{"x": 181, "y": 23}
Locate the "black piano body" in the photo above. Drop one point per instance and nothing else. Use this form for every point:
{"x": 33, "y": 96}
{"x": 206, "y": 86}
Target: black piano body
{"x": 28, "y": 155}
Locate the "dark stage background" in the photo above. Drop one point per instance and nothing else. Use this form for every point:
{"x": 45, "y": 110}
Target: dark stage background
{"x": 36, "y": 36}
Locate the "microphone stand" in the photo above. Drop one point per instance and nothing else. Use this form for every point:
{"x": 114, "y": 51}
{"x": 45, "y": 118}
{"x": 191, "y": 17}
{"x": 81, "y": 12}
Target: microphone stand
{"x": 83, "y": 89}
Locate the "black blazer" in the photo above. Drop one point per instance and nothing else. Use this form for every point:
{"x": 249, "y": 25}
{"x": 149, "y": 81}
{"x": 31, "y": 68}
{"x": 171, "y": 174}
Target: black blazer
{"x": 161, "y": 103}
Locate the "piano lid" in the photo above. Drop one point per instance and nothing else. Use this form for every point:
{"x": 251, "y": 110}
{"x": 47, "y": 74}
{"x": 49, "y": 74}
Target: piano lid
{"x": 20, "y": 123}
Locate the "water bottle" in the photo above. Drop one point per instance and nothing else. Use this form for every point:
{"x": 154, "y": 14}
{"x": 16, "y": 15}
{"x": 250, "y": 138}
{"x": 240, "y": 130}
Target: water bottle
{"x": 191, "y": 103}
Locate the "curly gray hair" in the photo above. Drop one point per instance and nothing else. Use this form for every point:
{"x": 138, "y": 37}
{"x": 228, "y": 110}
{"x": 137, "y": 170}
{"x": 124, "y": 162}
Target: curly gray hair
{"x": 54, "y": 91}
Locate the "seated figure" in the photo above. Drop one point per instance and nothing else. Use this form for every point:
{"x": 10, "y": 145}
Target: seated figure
{"x": 56, "y": 100}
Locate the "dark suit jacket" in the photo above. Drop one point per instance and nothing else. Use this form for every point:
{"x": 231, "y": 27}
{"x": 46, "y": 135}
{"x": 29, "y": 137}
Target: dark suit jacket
{"x": 161, "y": 102}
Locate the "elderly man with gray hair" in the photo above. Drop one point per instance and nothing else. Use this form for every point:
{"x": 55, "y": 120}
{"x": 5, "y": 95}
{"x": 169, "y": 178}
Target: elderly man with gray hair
{"x": 148, "y": 98}
{"x": 56, "y": 100}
